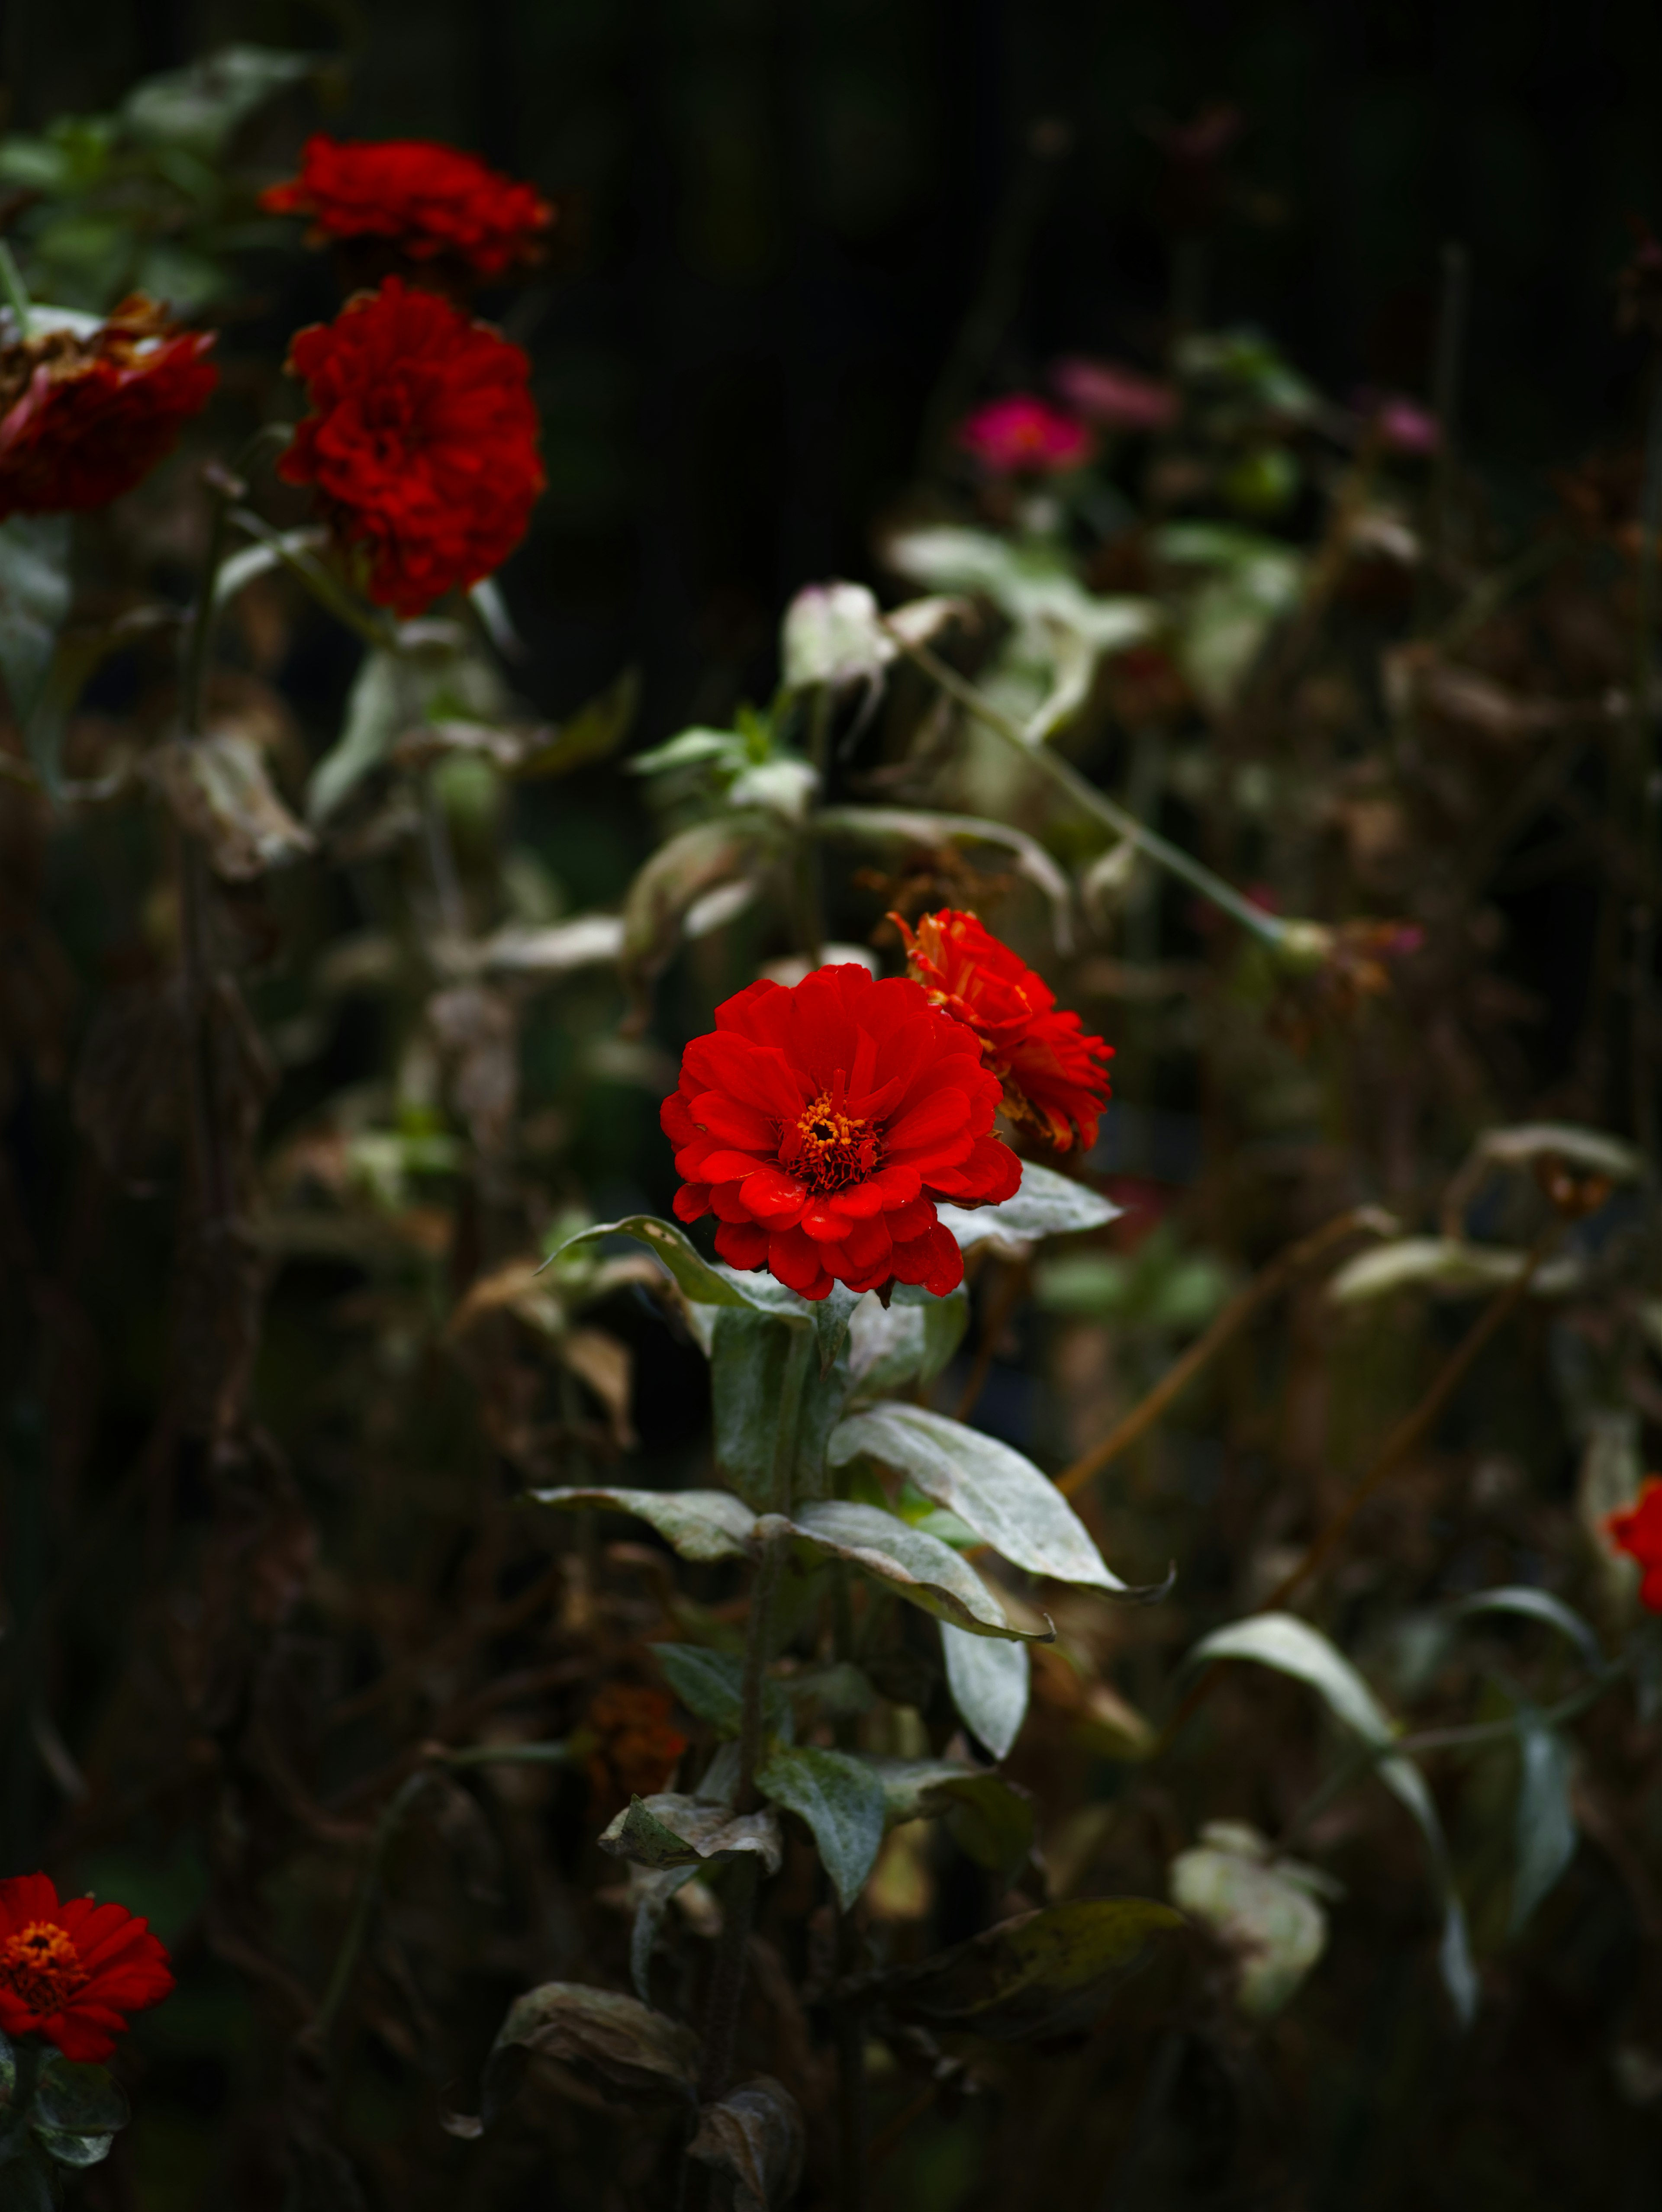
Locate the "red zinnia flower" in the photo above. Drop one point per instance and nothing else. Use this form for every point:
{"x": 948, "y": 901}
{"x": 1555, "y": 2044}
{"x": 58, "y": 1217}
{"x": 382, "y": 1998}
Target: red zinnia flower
{"x": 82, "y": 419}
{"x": 820, "y": 1123}
{"x": 422, "y": 440}
{"x": 73, "y": 1973}
{"x": 1637, "y": 1531}
{"x": 1053, "y": 1074}
{"x": 429, "y": 200}
{"x": 1024, "y": 436}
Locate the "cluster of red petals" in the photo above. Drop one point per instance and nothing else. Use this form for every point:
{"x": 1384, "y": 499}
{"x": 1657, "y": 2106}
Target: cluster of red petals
{"x": 1052, "y": 1074}
{"x": 1638, "y": 1532}
{"x": 84, "y": 419}
{"x": 820, "y": 1124}
{"x": 74, "y": 1972}
{"x": 1024, "y": 436}
{"x": 422, "y": 441}
{"x": 429, "y": 200}
{"x": 636, "y": 1743}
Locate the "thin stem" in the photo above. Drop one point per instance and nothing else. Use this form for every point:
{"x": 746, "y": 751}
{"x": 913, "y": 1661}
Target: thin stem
{"x": 1266, "y": 927}
{"x": 357, "y": 1928}
{"x": 317, "y": 580}
{"x": 14, "y": 291}
{"x": 1285, "y": 1267}
{"x": 1644, "y": 773}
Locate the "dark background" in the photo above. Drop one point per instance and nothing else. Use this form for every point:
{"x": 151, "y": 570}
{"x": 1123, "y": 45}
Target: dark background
{"x": 777, "y": 217}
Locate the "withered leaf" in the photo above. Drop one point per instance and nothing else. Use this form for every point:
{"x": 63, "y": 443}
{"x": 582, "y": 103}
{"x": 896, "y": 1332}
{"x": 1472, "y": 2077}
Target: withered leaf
{"x": 597, "y": 2033}
{"x": 756, "y": 2134}
{"x": 219, "y": 789}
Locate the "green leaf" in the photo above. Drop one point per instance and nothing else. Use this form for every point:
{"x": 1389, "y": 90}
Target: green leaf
{"x": 670, "y": 1830}
{"x": 592, "y": 734}
{"x": 696, "y": 1277}
{"x": 910, "y": 1340}
{"x": 692, "y": 749}
{"x": 652, "y": 1891}
{"x": 842, "y": 1800}
{"x": 992, "y": 1489}
{"x": 599, "y": 2033}
{"x": 677, "y": 876}
{"x": 201, "y": 106}
{"x": 755, "y": 2135}
{"x": 1292, "y": 1647}
{"x": 831, "y": 1315}
{"x": 1546, "y": 1829}
{"x": 711, "y": 1685}
{"x": 79, "y": 2100}
{"x": 1447, "y": 1266}
{"x": 1047, "y": 1205}
{"x": 989, "y": 1684}
{"x": 905, "y": 1561}
{"x": 34, "y": 603}
{"x": 74, "y": 2150}
{"x": 1037, "y": 1975}
{"x": 378, "y": 706}
{"x": 1268, "y": 1913}
{"x": 749, "y": 1359}
{"x": 990, "y": 1820}
{"x": 699, "y": 1524}
{"x": 1533, "y": 1604}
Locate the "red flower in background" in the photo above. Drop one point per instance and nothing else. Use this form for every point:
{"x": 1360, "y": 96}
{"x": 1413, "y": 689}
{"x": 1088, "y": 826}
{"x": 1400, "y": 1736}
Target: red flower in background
{"x": 820, "y": 1124}
{"x": 1118, "y": 397}
{"x": 74, "y": 1972}
{"x": 1053, "y": 1075}
{"x": 1638, "y": 1532}
{"x": 636, "y": 1743}
{"x": 422, "y": 441}
{"x": 84, "y": 419}
{"x": 1024, "y": 436}
{"x": 428, "y": 200}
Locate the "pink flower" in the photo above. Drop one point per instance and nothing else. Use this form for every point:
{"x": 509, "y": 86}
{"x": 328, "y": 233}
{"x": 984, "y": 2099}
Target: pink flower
{"x": 1402, "y": 425}
{"x": 1022, "y": 435}
{"x": 1118, "y": 397}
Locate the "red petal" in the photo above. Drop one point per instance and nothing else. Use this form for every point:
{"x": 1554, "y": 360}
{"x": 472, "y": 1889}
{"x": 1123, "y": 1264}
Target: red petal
{"x": 692, "y": 1202}
{"x": 742, "y": 1244}
{"x": 793, "y": 1258}
{"x": 770, "y": 1193}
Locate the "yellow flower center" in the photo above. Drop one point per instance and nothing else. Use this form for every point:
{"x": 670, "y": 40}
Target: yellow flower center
{"x": 828, "y": 1149}
{"x": 42, "y": 1965}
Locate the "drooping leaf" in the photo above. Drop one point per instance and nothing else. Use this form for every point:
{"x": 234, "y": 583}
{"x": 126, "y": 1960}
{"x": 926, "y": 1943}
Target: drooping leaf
{"x": 1290, "y": 1646}
{"x": 198, "y": 108}
{"x": 588, "y": 940}
{"x": 842, "y": 1800}
{"x": 1444, "y": 1265}
{"x": 990, "y": 1682}
{"x": 652, "y": 1891}
{"x": 601, "y": 2034}
{"x": 1546, "y": 1828}
{"x": 219, "y": 789}
{"x": 1533, "y": 1604}
{"x": 380, "y": 703}
{"x": 699, "y": 1524}
{"x": 1269, "y": 1913}
{"x": 678, "y": 873}
{"x": 913, "y": 1564}
{"x": 1036, "y": 1975}
{"x": 34, "y": 603}
{"x": 1593, "y": 1151}
{"x": 832, "y": 633}
{"x": 669, "y": 1830}
{"x": 993, "y": 1489}
{"x": 711, "y": 1685}
{"x": 755, "y": 2133}
{"x": 1047, "y": 1205}
{"x": 704, "y": 1284}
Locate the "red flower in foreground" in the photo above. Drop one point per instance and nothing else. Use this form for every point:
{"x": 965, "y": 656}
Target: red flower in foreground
{"x": 1053, "y": 1075}
{"x": 1024, "y": 436}
{"x": 73, "y": 1973}
{"x": 429, "y": 200}
{"x": 1638, "y": 1532}
{"x": 422, "y": 440}
{"x": 820, "y": 1124}
{"x": 83, "y": 419}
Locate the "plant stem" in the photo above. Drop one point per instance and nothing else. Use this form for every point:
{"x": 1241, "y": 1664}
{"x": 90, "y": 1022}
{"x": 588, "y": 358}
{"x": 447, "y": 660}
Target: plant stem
{"x": 352, "y": 1943}
{"x": 1644, "y": 783}
{"x": 1285, "y": 1267}
{"x": 14, "y": 291}
{"x": 1266, "y": 927}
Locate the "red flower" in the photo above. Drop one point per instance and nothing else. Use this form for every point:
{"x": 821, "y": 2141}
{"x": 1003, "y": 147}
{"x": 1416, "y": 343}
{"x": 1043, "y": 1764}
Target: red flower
{"x": 83, "y": 419}
{"x": 422, "y": 440}
{"x": 636, "y": 1743}
{"x": 1638, "y": 1532}
{"x": 818, "y": 1123}
{"x": 1118, "y": 397}
{"x": 1024, "y": 436}
{"x": 429, "y": 200}
{"x": 1054, "y": 1076}
{"x": 73, "y": 1973}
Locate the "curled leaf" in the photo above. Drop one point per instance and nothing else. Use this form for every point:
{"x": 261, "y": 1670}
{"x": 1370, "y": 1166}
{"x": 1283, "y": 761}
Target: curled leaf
{"x": 915, "y": 1565}
{"x": 603, "y": 2036}
{"x": 755, "y": 2135}
{"x": 667, "y": 1830}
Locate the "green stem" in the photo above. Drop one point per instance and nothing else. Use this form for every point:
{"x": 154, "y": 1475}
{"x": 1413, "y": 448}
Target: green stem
{"x": 318, "y": 581}
{"x": 1266, "y": 927}
{"x": 363, "y": 1906}
{"x": 14, "y": 291}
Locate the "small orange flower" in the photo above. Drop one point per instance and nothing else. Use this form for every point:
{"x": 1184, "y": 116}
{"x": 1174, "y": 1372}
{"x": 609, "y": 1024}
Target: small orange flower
{"x": 636, "y": 1748}
{"x": 1054, "y": 1076}
{"x": 73, "y": 1973}
{"x": 1637, "y": 1530}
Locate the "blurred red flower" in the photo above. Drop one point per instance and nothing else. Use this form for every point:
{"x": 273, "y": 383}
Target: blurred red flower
{"x": 1053, "y": 1075}
{"x": 1024, "y": 436}
{"x": 1637, "y": 1531}
{"x": 636, "y": 1743}
{"x": 820, "y": 1123}
{"x": 1118, "y": 397}
{"x": 429, "y": 200}
{"x": 73, "y": 1973}
{"x": 84, "y": 419}
{"x": 422, "y": 441}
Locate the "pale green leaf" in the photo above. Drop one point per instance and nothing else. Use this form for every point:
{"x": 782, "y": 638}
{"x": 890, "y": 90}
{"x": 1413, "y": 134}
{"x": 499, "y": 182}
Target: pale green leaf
{"x": 990, "y": 1683}
{"x": 699, "y": 1524}
{"x": 34, "y": 603}
{"x": 842, "y": 1800}
{"x": 1546, "y": 1828}
{"x": 668, "y": 1830}
{"x": 1533, "y": 1604}
{"x": 1047, "y": 1205}
{"x": 1266, "y": 1912}
{"x": 711, "y": 1684}
{"x": 913, "y": 1564}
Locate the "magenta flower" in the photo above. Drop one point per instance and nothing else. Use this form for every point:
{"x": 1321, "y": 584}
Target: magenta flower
{"x": 1404, "y": 426}
{"x": 1118, "y": 397}
{"x": 1022, "y": 435}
